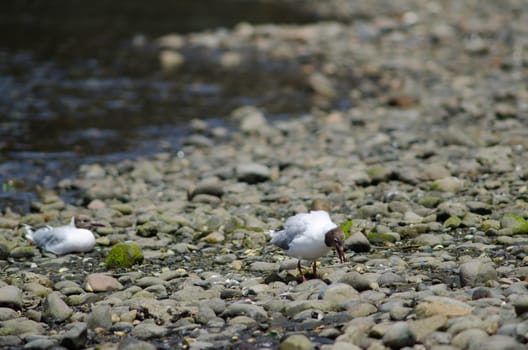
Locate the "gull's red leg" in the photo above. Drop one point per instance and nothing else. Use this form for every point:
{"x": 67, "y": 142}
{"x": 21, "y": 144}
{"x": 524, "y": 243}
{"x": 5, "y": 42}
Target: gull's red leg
{"x": 300, "y": 270}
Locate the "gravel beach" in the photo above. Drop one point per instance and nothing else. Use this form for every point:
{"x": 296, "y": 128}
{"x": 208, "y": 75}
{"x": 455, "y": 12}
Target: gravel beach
{"x": 427, "y": 168}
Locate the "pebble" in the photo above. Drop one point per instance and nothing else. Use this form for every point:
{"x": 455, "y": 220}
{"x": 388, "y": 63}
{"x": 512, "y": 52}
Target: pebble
{"x": 399, "y": 335}
{"x": 100, "y": 317}
{"x": 55, "y": 310}
{"x": 473, "y": 273}
{"x": 11, "y": 296}
{"x": 99, "y": 282}
{"x": 296, "y": 342}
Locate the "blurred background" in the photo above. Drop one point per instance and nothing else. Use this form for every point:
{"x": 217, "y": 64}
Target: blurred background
{"x": 83, "y": 81}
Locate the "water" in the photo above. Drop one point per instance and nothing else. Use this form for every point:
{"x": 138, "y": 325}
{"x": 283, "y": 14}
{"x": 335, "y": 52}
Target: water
{"x": 76, "y": 86}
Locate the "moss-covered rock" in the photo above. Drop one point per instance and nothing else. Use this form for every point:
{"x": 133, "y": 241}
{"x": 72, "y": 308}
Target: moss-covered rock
{"x": 385, "y": 237}
{"x": 148, "y": 229}
{"x": 490, "y": 225}
{"x": 517, "y": 224}
{"x": 124, "y": 209}
{"x": 124, "y": 255}
{"x": 430, "y": 201}
{"x": 23, "y": 252}
{"x": 452, "y": 222}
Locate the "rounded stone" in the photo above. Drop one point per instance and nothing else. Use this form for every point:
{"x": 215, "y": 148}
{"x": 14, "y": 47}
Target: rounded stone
{"x": 296, "y": 342}
{"x": 398, "y": 336}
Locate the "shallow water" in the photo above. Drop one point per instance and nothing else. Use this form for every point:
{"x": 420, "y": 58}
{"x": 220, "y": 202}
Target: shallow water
{"x": 77, "y": 85}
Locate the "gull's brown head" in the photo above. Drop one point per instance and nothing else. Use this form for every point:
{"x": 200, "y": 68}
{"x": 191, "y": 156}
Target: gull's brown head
{"x": 336, "y": 238}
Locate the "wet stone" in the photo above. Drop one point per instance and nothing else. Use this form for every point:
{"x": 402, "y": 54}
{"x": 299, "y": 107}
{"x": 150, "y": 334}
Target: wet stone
{"x": 11, "y": 296}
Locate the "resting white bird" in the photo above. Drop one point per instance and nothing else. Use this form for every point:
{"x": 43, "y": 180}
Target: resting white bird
{"x": 309, "y": 236}
{"x": 72, "y": 238}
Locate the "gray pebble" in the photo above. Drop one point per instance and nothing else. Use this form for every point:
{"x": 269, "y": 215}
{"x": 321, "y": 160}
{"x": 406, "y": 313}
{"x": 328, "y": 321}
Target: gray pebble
{"x": 100, "y": 317}
{"x": 473, "y": 273}
{"x": 11, "y": 296}
{"x": 244, "y": 309}
{"x": 131, "y": 343}
{"x": 76, "y": 337}
{"x": 399, "y": 335}
{"x": 148, "y": 330}
{"x": 54, "y": 309}
{"x": 296, "y": 342}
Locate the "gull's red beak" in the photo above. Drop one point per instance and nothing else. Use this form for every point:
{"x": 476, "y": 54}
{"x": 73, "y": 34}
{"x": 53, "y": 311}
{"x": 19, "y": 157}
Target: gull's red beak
{"x": 340, "y": 253}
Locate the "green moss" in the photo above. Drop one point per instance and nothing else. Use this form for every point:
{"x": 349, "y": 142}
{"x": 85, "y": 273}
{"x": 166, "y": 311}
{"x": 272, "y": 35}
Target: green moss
{"x": 148, "y": 229}
{"x": 490, "y": 225}
{"x": 378, "y": 172}
{"x": 430, "y": 201}
{"x": 22, "y": 252}
{"x": 346, "y": 228}
{"x": 124, "y": 255}
{"x": 376, "y": 237}
{"x": 124, "y": 209}
{"x": 516, "y": 223}
{"x": 452, "y": 222}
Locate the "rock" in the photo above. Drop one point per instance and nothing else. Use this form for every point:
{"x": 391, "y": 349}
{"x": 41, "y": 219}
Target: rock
{"x": 399, "y": 335}
{"x": 520, "y": 303}
{"x": 322, "y": 85}
{"x": 453, "y": 222}
{"x": 383, "y": 237}
{"x": 424, "y": 327}
{"x": 124, "y": 255}
{"x": 473, "y": 273}
{"x": 338, "y": 293}
{"x": 469, "y": 338}
{"x": 148, "y": 330}
{"x": 23, "y": 252}
{"x": 130, "y": 343}
{"x": 76, "y": 337}
{"x": 356, "y": 280}
{"x": 100, "y": 282}
{"x": 242, "y": 309}
{"x": 448, "y": 184}
{"x": 41, "y": 343}
{"x": 296, "y": 342}
{"x": 251, "y": 118}
{"x": 497, "y": 342}
{"x": 389, "y": 278}
{"x": 11, "y": 296}
{"x": 170, "y": 60}
{"x": 148, "y": 229}
{"x": 516, "y": 223}
{"x": 445, "y": 306}
{"x": 100, "y": 317}
{"x": 211, "y": 187}
{"x": 54, "y": 309}
{"x": 7, "y": 314}
{"x": 19, "y": 326}
{"x": 252, "y": 173}
{"x": 357, "y": 242}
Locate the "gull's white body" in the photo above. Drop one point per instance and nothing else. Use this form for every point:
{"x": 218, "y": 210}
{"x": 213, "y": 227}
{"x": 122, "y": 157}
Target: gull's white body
{"x": 63, "y": 239}
{"x": 303, "y": 236}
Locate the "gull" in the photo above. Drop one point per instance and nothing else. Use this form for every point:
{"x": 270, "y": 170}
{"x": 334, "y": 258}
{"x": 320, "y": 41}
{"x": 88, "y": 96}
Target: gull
{"x": 72, "y": 238}
{"x": 309, "y": 236}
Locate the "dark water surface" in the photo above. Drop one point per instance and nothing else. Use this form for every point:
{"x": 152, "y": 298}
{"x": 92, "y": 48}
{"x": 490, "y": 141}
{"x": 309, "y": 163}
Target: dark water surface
{"x": 77, "y": 86}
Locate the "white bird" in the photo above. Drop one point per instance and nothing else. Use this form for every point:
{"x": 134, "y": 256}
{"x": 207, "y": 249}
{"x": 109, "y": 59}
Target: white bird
{"x": 72, "y": 238}
{"x": 309, "y": 236}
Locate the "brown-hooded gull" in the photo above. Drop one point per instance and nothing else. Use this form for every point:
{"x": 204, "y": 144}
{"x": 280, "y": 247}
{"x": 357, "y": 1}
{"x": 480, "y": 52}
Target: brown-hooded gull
{"x": 309, "y": 236}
